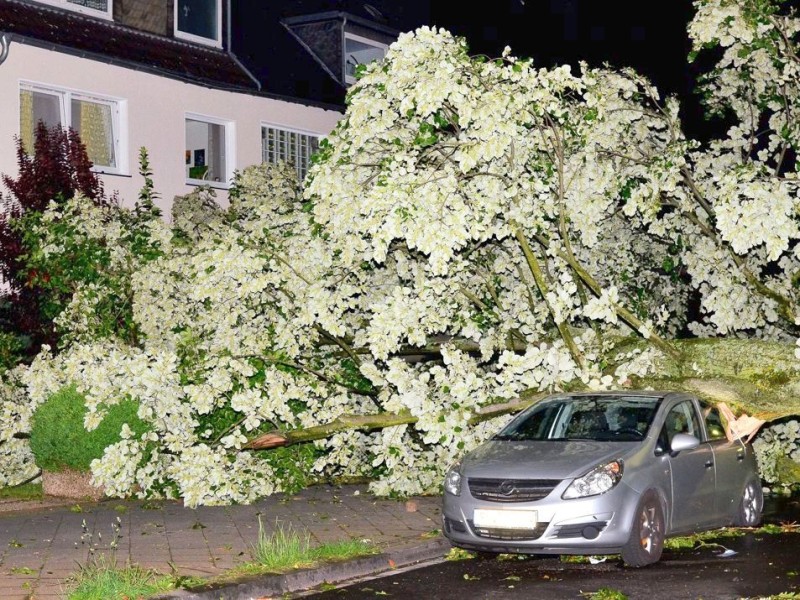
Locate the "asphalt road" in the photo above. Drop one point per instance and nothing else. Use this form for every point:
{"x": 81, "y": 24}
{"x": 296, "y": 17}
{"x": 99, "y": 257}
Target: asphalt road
{"x": 763, "y": 564}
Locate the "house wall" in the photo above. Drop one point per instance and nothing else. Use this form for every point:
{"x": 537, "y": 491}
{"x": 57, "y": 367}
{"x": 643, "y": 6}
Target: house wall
{"x": 156, "y": 110}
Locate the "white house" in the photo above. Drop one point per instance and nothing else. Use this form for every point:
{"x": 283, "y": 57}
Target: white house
{"x": 162, "y": 74}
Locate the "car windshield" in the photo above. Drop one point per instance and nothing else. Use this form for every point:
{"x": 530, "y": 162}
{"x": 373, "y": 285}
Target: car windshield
{"x": 600, "y": 418}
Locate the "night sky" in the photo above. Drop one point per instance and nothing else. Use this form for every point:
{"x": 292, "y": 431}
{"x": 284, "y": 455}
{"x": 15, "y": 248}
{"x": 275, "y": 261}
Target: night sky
{"x": 650, "y": 36}
{"x": 647, "y": 35}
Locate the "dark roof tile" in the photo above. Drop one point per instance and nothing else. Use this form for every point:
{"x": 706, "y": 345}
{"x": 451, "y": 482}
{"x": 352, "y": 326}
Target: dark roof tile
{"x": 110, "y": 42}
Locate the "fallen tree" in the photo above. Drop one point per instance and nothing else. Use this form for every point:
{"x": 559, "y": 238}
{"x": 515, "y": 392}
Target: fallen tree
{"x": 474, "y": 232}
{"x": 756, "y": 378}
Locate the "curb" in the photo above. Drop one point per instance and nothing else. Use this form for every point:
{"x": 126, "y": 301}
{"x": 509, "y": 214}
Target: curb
{"x": 304, "y": 579}
{"x": 18, "y": 506}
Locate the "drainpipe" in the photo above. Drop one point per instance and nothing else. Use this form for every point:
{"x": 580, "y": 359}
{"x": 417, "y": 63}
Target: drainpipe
{"x": 229, "y": 37}
{"x": 5, "y": 44}
{"x": 343, "y": 66}
{"x": 228, "y": 27}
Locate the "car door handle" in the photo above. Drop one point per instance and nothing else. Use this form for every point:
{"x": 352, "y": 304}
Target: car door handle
{"x": 709, "y": 464}
{"x": 740, "y": 457}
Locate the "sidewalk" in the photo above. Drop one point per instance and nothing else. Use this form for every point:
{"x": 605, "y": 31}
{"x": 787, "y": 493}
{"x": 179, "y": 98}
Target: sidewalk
{"x": 40, "y": 546}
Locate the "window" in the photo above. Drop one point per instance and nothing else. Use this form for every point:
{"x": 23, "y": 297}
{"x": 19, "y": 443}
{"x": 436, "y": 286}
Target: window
{"x": 199, "y": 21}
{"x": 97, "y": 8}
{"x": 291, "y": 146}
{"x": 209, "y": 151}
{"x": 714, "y": 425}
{"x": 681, "y": 419}
{"x": 99, "y": 122}
{"x": 599, "y": 418}
{"x": 359, "y": 51}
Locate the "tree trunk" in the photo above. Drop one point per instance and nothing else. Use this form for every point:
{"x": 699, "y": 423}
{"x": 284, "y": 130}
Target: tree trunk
{"x": 752, "y": 377}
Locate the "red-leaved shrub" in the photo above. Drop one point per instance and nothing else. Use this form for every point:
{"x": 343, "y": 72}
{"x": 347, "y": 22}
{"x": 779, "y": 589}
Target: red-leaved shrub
{"x": 58, "y": 169}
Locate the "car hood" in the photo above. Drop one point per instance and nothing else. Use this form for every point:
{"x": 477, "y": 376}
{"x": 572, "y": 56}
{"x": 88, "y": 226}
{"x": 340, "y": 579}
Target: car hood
{"x": 541, "y": 460}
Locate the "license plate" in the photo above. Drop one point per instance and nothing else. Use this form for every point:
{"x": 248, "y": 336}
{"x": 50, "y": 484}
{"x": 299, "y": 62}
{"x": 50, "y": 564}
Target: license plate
{"x": 504, "y": 519}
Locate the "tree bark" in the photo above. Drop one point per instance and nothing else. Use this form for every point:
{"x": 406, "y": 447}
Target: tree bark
{"x": 751, "y": 376}
{"x": 277, "y": 439}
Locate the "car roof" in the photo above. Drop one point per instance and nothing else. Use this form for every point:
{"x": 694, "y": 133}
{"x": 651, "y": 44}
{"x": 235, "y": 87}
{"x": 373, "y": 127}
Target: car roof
{"x": 643, "y": 393}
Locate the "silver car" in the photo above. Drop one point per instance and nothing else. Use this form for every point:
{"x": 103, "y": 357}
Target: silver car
{"x": 602, "y": 473}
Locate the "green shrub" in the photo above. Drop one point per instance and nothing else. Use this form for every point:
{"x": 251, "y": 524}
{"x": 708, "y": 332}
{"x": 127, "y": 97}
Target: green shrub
{"x": 777, "y": 448}
{"x": 59, "y": 440}
{"x": 11, "y": 346}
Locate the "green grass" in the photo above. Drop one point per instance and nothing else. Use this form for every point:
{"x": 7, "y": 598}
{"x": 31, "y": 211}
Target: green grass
{"x": 22, "y": 571}
{"x": 285, "y": 549}
{"x": 459, "y": 554}
{"x": 708, "y": 537}
{"x": 605, "y": 594}
{"x": 690, "y": 541}
{"x": 103, "y": 579}
{"x": 342, "y": 550}
{"x": 781, "y": 596}
{"x": 587, "y": 559}
{"x": 28, "y": 491}
{"x": 771, "y": 528}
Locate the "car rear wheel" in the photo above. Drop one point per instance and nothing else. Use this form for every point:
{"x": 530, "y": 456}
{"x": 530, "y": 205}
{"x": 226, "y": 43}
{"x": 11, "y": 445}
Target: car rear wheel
{"x": 749, "y": 513}
{"x": 647, "y": 533}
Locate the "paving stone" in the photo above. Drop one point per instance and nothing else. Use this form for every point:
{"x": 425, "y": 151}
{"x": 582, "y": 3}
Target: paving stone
{"x": 200, "y": 542}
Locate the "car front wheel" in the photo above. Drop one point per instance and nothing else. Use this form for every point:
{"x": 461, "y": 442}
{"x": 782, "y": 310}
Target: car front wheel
{"x": 749, "y": 513}
{"x": 647, "y": 534}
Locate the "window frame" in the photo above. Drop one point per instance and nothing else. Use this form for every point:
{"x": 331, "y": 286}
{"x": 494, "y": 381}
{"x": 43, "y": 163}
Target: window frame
{"x": 108, "y": 14}
{"x": 230, "y": 149}
{"x": 198, "y": 39}
{"x": 348, "y": 79}
{"x": 314, "y": 134}
{"x": 119, "y": 118}
{"x": 667, "y": 433}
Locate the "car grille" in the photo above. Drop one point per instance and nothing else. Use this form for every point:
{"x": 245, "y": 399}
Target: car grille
{"x": 510, "y": 490}
{"x": 509, "y": 534}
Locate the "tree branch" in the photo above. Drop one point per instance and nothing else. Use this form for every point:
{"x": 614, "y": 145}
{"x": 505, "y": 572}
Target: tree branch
{"x": 277, "y": 439}
{"x": 538, "y": 277}
{"x": 622, "y": 312}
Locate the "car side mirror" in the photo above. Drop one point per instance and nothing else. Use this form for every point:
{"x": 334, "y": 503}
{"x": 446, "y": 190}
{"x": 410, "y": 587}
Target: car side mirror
{"x": 681, "y": 442}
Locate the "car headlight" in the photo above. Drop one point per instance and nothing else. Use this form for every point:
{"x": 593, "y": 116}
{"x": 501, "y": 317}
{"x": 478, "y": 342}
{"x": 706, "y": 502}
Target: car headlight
{"x": 452, "y": 481}
{"x": 597, "y": 481}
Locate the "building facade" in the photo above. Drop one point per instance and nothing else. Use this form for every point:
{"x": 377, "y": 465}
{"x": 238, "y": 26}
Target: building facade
{"x": 165, "y": 75}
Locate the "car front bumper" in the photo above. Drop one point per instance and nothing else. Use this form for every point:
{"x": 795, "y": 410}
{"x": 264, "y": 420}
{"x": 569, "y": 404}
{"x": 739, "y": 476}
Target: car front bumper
{"x": 594, "y": 525}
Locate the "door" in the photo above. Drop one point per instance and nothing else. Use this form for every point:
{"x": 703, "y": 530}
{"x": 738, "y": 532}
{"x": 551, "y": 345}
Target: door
{"x": 692, "y": 471}
{"x": 730, "y": 465}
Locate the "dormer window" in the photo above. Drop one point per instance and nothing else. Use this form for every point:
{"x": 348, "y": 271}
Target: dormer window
{"x": 199, "y": 21}
{"x": 341, "y": 42}
{"x": 359, "y": 50}
{"x": 96, "y": 8}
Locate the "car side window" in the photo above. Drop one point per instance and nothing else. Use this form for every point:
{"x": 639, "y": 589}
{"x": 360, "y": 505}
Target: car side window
{"x": 714, "y": 425}
{"x": 681, "y": 419}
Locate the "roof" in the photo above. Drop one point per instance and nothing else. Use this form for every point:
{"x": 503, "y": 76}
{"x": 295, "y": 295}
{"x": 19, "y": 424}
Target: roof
{"x": 265, "y": 57}
{"x": 110, "y": 42}
{"x": 264, "y": 29}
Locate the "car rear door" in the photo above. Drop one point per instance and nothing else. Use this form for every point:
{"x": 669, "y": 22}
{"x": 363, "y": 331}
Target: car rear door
{"x": 730, "y": 465}
{"x": 692, "y": 471}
